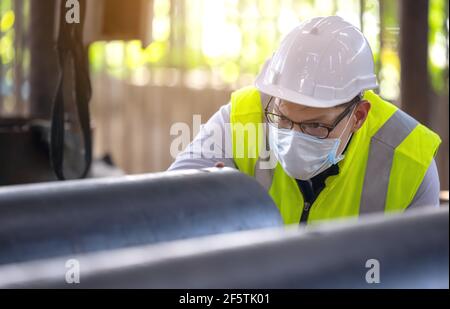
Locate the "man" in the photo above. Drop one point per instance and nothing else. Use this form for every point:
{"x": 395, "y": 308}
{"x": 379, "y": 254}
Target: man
{"x": 341, "y": 151}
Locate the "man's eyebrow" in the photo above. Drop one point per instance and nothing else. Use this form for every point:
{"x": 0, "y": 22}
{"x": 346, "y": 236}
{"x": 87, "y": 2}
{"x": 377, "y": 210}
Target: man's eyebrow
{"x": 325, "y": 121}
{"x": 317, "y": 119}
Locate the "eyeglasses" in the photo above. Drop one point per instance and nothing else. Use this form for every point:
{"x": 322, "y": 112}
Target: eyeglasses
{"x": 315, "y": 129}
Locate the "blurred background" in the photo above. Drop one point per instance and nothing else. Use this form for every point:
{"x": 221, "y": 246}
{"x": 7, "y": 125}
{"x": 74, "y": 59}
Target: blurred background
{"x": 196, "y": 52}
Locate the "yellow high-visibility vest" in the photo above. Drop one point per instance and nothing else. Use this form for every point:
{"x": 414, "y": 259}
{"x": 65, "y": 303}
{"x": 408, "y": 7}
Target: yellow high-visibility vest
{"x": 384, "y": 164}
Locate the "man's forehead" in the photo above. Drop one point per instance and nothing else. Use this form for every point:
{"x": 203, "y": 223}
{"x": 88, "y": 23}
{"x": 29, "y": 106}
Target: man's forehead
{"x": 300, "y": 107}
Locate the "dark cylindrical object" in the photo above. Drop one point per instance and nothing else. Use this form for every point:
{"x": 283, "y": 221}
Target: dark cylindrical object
{"x": 53, "y": 219}
{"x": 404, "y": 251}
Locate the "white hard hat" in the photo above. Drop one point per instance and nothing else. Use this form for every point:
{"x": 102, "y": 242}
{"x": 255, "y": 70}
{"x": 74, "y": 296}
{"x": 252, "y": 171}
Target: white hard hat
{"x": 323, "y": 62}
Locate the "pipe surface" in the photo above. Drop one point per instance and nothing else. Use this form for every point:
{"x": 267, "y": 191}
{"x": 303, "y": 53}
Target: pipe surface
{"x": 411, "y": 249}
{"x": 53, "y": 219}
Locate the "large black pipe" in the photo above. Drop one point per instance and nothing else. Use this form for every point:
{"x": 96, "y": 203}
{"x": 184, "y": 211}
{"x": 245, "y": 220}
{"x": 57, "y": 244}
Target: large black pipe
{"x": 410, "y": 250}
{"x": 52, "y": 219}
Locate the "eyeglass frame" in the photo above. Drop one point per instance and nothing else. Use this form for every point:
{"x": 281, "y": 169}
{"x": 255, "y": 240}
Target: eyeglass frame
{"x": 355, "y": 101}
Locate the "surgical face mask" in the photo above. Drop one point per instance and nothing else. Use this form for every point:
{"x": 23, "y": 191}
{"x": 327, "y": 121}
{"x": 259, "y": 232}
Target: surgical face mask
{"x": 303, "y": 156}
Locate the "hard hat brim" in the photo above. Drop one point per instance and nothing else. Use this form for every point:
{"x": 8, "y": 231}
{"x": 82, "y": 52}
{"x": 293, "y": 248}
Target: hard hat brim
{"x": 301, "y": 99}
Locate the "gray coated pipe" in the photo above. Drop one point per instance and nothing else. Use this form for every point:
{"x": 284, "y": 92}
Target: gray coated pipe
{"x": 53, "y": 219}
{"x": 411, "y": 251}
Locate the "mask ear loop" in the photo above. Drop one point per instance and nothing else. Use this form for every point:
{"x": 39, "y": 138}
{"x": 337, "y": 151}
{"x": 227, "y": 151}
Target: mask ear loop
{"x": 333, "y": 156}
{"x": 266, "y": 125}
{"x": 351, "y": 114}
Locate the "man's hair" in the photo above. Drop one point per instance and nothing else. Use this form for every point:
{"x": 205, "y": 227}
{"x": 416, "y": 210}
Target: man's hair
{"x": 353, "y": 101}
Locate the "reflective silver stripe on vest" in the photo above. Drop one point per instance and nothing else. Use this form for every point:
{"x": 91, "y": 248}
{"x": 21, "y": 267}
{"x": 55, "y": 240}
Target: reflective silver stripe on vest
{"x": 379, "y": 163}
{"x": 263, "y": 175}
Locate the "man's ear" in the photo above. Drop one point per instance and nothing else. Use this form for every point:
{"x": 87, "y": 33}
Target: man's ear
{"x": 361, "y": 112}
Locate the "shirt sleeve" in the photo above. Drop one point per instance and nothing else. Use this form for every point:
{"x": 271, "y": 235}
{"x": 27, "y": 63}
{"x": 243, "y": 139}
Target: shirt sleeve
{"x": 428, "y": 192}
{"x": 211, "y": 145}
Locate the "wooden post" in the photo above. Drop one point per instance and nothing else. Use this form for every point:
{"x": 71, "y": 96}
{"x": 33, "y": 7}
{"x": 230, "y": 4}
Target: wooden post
{"x": 44, "y": 67}
{"x": 415, "y": 88}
